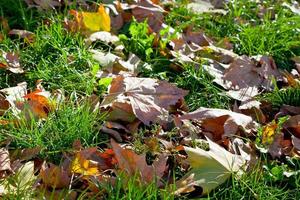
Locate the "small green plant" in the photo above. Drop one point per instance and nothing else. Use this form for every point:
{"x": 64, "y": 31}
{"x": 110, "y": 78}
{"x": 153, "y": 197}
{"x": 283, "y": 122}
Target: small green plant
{"x": 138, "y": 40}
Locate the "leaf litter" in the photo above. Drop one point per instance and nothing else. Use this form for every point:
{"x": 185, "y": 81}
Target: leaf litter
{"x": 134, "y": 103}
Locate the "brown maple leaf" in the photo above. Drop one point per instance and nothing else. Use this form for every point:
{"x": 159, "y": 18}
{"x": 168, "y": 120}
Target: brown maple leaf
{"x": 132, "y": 163}
{"x": 220, "y": 122}
{"x": 148, "y": 98}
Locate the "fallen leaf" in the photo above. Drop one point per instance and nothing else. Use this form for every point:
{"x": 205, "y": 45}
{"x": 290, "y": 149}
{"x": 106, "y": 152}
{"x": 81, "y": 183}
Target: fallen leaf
{"x": 4, "y": 162}
{"x": 221, "y": 122}
{"x": 92, "y": 21}
{"x": 133, "y": 164}
{"x": 209, "y": 168}
{"x": 81, "y": 165}
{"x": 27, "y": 35}
{"x": 149, "y": 98}
{"x": 293, "y": 125}
{"x": 43, "y": 4}
{"x": 4, "y": 104}
{"x": 55, "y": 176}
{"x": 146, "y": 10}
{"x": 22, "y": 180}
{"x": 296, "y": 143}
{"x": 204, "y": 6}
{"x": 268, "y": 133}
{"x": 38, "y": 104}
{"x": 12, "y": 63}
{"x": 103, "y": 36}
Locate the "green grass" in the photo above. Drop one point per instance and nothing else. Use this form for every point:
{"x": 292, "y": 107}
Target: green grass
{"x": 202, "y": 91}
{"x": 59, "y": 131}
{"x": 286, "y": 96}
{"x": 62, "y": 61}
{"x": 59, "y": 58}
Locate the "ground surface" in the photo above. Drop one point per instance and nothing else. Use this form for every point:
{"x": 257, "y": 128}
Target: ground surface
{"x": 99, "y": 106}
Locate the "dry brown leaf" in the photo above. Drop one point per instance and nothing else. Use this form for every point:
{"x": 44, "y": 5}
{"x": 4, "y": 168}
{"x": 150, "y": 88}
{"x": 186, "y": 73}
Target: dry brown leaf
{"x": 4, "y": 162}
{"x": 146, "y": 9}
{"x": 280, "y": 146}
{"x": 44, "y": 4}
{"x": 55, "y": 177}
{"x": 221, "y": 122}
{"x": 293, "y": 125}
{"x": 12, "y": 63}
{"x": 296, "y": 143}
{"x": 27, "y": 35}
{"x": 4, "y": 104}
{"x": 132, "y": 163}
{"x": 149, "y": 98}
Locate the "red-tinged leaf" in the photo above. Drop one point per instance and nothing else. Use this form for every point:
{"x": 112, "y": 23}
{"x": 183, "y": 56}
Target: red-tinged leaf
{"x": 4, "y": 104}
{"x": 221, "y": 122}
{"x": 109, "y": 159}
{"x": 149, "y": 98}
{"x": 132, "y": 163}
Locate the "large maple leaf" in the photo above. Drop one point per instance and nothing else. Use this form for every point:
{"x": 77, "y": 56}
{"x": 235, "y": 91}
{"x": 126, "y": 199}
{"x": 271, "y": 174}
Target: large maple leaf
{"x": 133, "y": 163}
{"x": 148, "y": 98}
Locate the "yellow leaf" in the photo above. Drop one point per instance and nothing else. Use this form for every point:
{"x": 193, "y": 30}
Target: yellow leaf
{"x": 269, "y": 132}
{"x": 85, "y": 167}
{"x": 93, "y": 21}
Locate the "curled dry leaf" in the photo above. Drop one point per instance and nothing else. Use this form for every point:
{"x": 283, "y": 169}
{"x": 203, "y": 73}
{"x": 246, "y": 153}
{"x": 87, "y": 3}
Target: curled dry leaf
{"x": 280, "y": 146}
{"x": 296, "y": 143}
{"x": 114, "y": 65}
{"x": 27, "y": 35}
{"x": 221, "y": 122}
{"x": 4, "y": 104}
{"x": 148, "y": 98}
{"x": 209, "y": 168}
{"x": 4, "y": 162}
{"x": 132, "y": 163}
{"x": 11, "y": 63}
